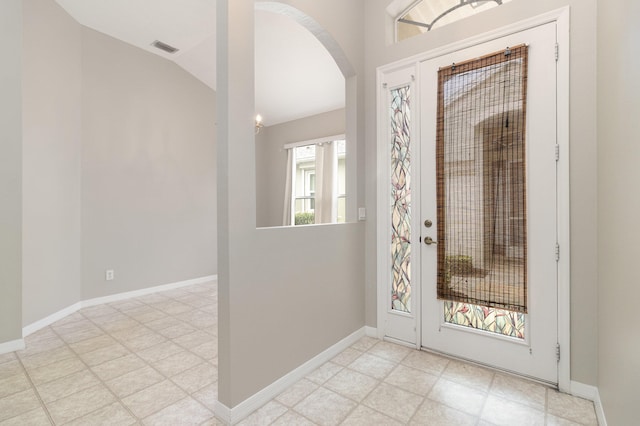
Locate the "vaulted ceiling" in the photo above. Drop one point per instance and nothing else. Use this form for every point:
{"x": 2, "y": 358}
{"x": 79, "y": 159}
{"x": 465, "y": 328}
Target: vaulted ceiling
{"x": 295, "y": 75}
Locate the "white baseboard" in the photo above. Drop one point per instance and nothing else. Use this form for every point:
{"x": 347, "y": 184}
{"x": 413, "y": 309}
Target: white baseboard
{"x": 47, "y": 321}
{"x": 233, "y": 415}
{"x": 371, "y": 332}
{"x": 11, "y": 346}
{"x": 144, "y": 291}
{"x": 592, "y": 394}
{"x": 40, "y": 324}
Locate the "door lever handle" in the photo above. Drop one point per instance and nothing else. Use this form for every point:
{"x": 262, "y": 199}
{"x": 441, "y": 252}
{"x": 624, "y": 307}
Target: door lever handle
{"x": 428, "y": 241}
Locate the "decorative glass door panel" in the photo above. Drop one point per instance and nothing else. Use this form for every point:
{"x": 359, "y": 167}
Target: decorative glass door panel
{"x": 488, "y": 186}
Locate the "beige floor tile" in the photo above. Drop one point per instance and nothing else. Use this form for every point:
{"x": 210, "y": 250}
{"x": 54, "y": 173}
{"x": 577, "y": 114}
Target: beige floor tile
{"x": 178, "y": 330}
{"x": 147, "y": 315}
{"x": 365, "y": 343}
{"x": 40, "y": 346}
{"x": 519, "y": 390}
{"x": 126, "y": 305}
{"x": 427, "y": 362}
{"x": 17, "y": 404}
{"x": 112, "y": 415}
{"x": 93, "y": 344}
{"x": 10, "y": 368}
{"x": 411, "y": 380}
{"x": 296, "y": 392}
{"x": 177, "y": 363}
{"x": 194, "y": 339}
{"x": 134, "y": 381}
{"x": 198, "y": 318}
{"x": 465, "y": 398}
{"x": 13, "y": 384}
{"x": 131, "y": 333}
{"x": 208, "y": 350}
{"x": 265, "y": 415}
{"x": 80, "y": 335}
{"x": 118, "y": 367}
{"x": 208, "y": 396}
{"x": 324, "y": 372}
{"x": 159, "y": 351}
{"x": 351, "y": 384}
{"x": 76, "y": 316}
{"x": 393, "y": 402}
{"x": 173, "y": 307}
{"x": 502, "y": 412}
{"x": 79, "y": 404}
{"x": 196, "y": 378}
{"x": 346, "y": 357}
{"x": 117, "y": 316}
{"x": 559, "y": 421}
{"x": 105, "y": 354}
{"x": 51, "y": 372}
{"x": 11, "y": 356}
{"x": 63, "y": 329}
{"x": 35, "y": 417}
{"x": 125, "y": 323}
{"x": 365, "y": 416}
{"x": 292, "y": 418}
{"x": 185, "y": 412}
{"x": 162, "y": 323}
{"x": 48, "y": 357}
{"x": 390, "y": 351}
{"x": 45, "y": 333}
{"x": 66, "y": 386}
{"x": 213, "y": 422}
{"x": 98, "y": 311}
{"x": 372, "y": 366}
{"x": 153, "y": 399}
{"x": 435, "y": 414}
{"x": 468, "y": 374}
{"x": 571, "y": 408}
{"x": 325, "y": 407}
{"x": 144, "y": 341}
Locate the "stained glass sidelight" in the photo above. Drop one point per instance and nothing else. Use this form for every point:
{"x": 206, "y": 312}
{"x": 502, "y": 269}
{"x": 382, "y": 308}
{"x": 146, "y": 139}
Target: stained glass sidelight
{"x": 499, "y": 321}
{"x": 401, "y": 199}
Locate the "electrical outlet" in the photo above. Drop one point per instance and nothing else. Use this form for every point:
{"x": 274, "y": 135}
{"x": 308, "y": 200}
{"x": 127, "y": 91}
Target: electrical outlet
{"x": 109, "y": 275}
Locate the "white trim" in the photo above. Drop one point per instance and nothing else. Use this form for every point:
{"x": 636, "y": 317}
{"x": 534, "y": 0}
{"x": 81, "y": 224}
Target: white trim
{"x": 40, "y": 324}
{"x": 257, "y": 400}
{"x": 592, "y": 394}
{"x": 371, "y": 332}
{"x": 563, "y": 202}
{"x": 143, "y": 292}
{"x": 48, "y": 320}
{"x": 561, "y": 17}
{"x": 11, "y": 346}
{"x": 317, "y": 141}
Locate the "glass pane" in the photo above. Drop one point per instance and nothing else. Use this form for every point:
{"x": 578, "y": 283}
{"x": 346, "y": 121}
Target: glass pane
{"x": 400, "y": 200}
{"x": 342, "y": 215}
{"x": 499, "y": 321}
{"x": 481, "y": 185}
{"x": 430, "y": 14}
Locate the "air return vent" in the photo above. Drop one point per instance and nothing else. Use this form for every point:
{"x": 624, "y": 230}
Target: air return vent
{"x": 164, "y": 46}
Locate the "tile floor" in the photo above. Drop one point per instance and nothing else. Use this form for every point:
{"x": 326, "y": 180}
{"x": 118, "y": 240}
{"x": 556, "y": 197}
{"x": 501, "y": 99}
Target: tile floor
{"x": 153, "y": 361}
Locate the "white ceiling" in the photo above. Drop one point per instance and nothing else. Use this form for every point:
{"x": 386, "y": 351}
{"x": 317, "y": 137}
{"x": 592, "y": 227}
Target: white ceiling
{"x": 295, "y": 75}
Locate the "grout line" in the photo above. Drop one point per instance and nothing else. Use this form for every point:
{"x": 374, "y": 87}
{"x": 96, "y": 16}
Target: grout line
{"x": 35, "y": 390}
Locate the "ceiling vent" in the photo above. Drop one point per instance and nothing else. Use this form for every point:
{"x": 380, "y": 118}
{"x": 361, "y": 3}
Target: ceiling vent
{"x": 164, "y": 46}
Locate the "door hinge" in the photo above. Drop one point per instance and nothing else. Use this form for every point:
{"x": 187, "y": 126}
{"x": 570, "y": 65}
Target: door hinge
{"x": 557, "y": 50}
{"x": 557, "y": 152}
{"x": 558, "y": 352}
{"x": 557, "y": 252}
{"x": 420, "y": 239}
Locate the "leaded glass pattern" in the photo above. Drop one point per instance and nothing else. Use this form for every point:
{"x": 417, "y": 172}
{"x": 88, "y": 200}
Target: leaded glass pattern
{"x": 401, "y": 199}
{"x": 499, "y": 321}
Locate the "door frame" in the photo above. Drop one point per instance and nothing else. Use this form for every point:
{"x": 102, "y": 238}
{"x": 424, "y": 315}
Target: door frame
{"x": 562, "y": 19}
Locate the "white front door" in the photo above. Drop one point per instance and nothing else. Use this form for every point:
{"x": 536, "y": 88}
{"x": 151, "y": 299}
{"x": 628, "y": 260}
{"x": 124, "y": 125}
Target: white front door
{"x": 488, "y": 203}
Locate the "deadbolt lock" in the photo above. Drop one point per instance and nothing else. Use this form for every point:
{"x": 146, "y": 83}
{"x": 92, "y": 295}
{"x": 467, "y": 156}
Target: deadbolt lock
{"x": 428, "y": 223}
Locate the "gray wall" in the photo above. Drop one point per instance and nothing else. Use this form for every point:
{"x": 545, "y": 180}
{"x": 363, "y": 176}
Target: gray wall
{"x": 583, "y": 147}
{"x": 11, "y": 171}
{"x": 271, "y": 159}
{"x": 52, "y": 121}
{"x": 148, "y": 170}
{"x": 618, "y": 206}
{"x": 303, "y": 290}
